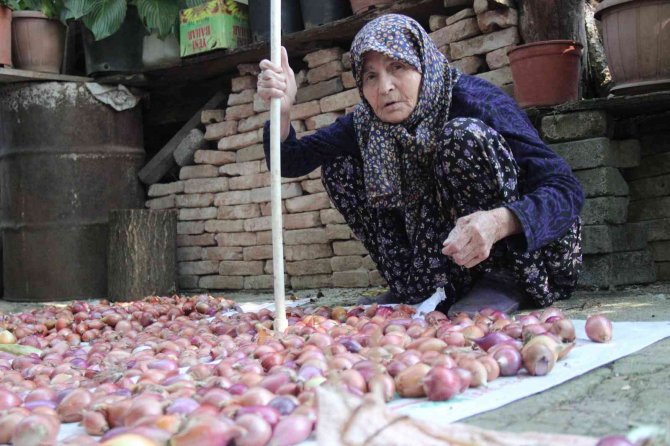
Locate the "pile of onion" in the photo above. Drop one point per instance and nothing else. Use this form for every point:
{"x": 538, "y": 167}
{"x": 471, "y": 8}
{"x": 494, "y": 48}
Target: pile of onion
{"x": 188, "y": 370}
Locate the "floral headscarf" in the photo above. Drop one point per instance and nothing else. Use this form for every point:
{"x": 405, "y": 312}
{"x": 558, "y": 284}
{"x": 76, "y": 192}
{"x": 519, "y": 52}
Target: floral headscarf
{"x": 397, "y": 158}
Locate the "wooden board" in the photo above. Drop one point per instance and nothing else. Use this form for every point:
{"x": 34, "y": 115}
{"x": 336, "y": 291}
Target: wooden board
{"x": 163, "y": 161}
{"x": 617, "y": 106}
{"x": 11, "y": 75}
{"x": 340, "y": 32}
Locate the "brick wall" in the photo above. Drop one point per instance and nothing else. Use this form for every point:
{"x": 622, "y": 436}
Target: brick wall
{"x": 224, "y": 230}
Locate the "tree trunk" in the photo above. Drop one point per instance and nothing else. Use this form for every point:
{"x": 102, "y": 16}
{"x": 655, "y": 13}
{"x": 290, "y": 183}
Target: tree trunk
{"x": 142, "y": 257}
{"x": 541, "y": 20}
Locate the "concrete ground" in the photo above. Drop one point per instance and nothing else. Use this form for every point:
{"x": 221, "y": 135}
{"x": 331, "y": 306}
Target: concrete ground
{"x": 631, "y": 391}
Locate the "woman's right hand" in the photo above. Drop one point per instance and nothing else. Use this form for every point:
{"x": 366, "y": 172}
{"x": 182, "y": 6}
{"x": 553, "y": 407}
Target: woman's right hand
{"x": 276, "y": 81}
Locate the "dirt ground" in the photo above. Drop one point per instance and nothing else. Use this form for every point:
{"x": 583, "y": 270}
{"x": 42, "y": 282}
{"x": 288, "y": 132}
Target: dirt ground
{"x": 631, "y": 391}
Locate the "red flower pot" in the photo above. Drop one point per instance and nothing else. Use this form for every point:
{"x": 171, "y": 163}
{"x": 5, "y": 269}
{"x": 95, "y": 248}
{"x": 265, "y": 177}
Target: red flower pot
{"x": 38, "y": 42}
{"x": 546, "y": 73}
{"x": 5, "y": 36}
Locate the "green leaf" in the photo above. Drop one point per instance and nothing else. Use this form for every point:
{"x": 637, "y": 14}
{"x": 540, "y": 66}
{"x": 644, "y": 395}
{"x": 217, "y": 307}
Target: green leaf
{"x": 77, "y": 8}
{"x": 105, "y": 17}
{"x": 159, "y": 16}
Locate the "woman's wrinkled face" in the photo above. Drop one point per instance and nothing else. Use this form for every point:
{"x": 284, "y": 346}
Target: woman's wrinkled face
{"x": 390, "y": 86}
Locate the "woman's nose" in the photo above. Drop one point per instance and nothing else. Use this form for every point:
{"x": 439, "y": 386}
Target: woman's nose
{"x": 386, "y": 84}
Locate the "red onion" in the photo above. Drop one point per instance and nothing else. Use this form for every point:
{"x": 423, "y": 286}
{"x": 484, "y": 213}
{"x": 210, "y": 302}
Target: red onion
{"x": 614, "y": 440}
{"x": 8, "y": 399}
{"x": 71, "y": 408}
{"x": 509, "y": 360}
{"x": 8, "y": 421}
{"x": 598, "y": 328}
{"x": 94, "y": 423}
{"x": 491, "y": 339}
{"x": 564, "y": 329}
{"x": 538, "y": 359}
{"x": 291, "y": 430}
{"x": 183, "y": 406}
{"x": 441, "y": 383}
{"x": 269, "y": 414}
{"x": 36, "y": 430}
{"x": 255, "y": 431}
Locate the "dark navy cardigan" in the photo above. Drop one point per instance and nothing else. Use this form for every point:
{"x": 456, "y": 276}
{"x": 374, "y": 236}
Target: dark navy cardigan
{"x": 551, "y": 197}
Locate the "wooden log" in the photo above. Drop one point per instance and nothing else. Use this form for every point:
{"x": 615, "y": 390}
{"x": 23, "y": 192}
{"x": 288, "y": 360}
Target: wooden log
{"x": 142, "y": 255}
{"x": 551, "y": 20}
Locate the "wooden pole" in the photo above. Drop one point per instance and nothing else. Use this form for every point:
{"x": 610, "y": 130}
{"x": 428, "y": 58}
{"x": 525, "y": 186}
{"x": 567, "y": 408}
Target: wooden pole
{"x": 280, "y": 322}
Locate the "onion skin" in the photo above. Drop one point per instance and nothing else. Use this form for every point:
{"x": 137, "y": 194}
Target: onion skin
{"x": 598, "y": 328}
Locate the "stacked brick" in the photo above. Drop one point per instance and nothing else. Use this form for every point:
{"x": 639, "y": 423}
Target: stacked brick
{"x": 615, "y": 249}
{"x": 650, "y": 189}
{"x": 224, "y": 229}
{"x": 476, "y": 39}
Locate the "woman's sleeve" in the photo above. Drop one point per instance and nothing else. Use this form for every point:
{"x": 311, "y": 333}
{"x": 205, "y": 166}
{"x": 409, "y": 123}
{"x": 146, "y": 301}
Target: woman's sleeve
{"x": 301, "y": 156}
{"x": 551, "y": 197}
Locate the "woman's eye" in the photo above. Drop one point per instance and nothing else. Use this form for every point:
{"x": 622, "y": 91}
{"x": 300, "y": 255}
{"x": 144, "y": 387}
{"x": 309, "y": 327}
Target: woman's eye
{"x": 368, "y": 77}
{"x": 397, "y": 66}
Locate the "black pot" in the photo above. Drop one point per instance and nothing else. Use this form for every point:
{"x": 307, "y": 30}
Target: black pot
{"x": 119, "y": 53}
{"x": 259, "y": 18}
{"x": 317, "y": 13}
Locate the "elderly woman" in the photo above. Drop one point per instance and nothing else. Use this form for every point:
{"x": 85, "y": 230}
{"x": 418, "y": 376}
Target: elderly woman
{"x": 441, "y": 176}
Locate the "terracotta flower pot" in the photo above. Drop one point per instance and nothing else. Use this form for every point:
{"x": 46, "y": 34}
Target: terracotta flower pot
{"x": 38, "y": 42}
{"x": 5, "y": 36}
{"x": 360, "y": 6}
{"x": 636, "y": 37}
{"x": 546, "y": 73}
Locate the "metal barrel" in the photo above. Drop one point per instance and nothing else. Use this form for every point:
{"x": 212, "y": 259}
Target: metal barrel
{"x": 66, "y": 159}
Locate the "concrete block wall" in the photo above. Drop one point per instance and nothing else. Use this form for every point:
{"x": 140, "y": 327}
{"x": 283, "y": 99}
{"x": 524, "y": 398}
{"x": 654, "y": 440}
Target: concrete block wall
{"x": 650, "y": 189}
{"x": 616, "y": 251}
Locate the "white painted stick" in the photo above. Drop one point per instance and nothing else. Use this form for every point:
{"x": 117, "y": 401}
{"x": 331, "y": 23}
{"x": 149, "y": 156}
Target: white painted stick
{"x": 280, "y": 322}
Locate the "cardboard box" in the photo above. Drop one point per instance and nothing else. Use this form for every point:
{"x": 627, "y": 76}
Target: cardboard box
{"x": 214, "y": 25}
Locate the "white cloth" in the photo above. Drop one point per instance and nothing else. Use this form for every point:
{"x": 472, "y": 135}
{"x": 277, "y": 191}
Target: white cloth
{"x": 429, "y": 304}
{"x": 118, "y": 97}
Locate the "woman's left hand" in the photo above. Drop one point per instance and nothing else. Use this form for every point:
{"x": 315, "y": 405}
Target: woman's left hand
{"x": 471, "y": 240}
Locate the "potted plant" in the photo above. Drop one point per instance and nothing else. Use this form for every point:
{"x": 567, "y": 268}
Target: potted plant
{"x": 635, "y": 37}
{"x": 115, "y": 31}
{"x": 546, "y": 68}
{"x": 38, "y": 37}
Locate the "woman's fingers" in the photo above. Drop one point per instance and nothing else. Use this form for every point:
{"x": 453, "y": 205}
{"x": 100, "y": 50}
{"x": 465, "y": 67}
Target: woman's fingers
{"x": 456, "y": 240}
